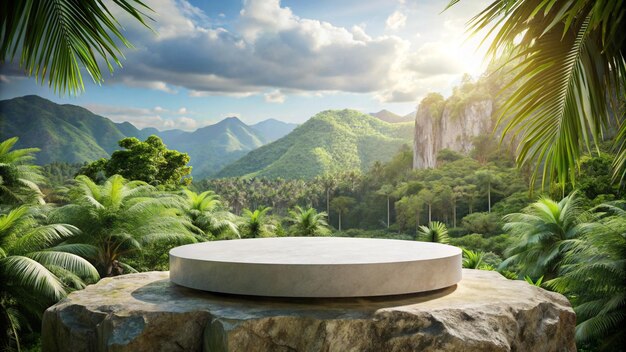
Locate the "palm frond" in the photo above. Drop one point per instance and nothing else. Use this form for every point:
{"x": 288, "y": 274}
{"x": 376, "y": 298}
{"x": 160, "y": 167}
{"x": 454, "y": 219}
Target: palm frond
{"x": 32, "y": 275}
{"x": 57, "y": 38}
{"x": 68, "y": 261}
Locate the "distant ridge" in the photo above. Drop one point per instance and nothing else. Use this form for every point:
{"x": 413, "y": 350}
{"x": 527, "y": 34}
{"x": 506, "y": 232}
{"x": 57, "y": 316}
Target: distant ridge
{"x": 388, "y": 116}
{"x": 273, "y": 129}
{"x": 70, "y": 133}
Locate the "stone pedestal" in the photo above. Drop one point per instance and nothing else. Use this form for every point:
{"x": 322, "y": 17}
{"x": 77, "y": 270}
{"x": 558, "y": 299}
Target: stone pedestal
{"x": 316, "y": 266}
{"x": 146, "y": 312}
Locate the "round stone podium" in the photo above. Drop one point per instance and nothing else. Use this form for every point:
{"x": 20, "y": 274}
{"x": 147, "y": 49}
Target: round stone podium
{"x": 315, "y": 266}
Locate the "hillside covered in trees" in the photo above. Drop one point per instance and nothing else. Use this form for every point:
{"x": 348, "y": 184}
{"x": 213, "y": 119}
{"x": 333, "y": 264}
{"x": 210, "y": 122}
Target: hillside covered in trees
{"x": 328, "y": 142}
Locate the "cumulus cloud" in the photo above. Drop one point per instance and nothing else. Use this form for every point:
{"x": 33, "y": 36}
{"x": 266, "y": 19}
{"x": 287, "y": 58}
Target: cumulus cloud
{"x": 269, "y": 50}
{"x": 396, "y": 21}
{"x": 156, "y": 117}
{"x": 275, "y": 97}
{"x": 268, "y": 46}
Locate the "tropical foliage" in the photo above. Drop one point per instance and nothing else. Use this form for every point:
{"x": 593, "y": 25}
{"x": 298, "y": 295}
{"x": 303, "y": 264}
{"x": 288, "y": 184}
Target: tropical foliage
{"x": 119, "y": 217}
{"x": 207, "y": 213}
{"x": 57, "y": 39}
{"x": 18, "y": 177}
{"x": 37, "y": 267}
{"x": 257, "y": 223}
{"x": 307, "y": 222}
{"x": 149, "y": 161}
{"x": 435, "y": 232}
{"x": 543, "y": 234}
{"x": 594, "y": 276}
{"x": 567, "y": 61}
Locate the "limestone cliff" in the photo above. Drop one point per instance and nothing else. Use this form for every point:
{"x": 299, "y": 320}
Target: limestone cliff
{"x": 448, "y": 124}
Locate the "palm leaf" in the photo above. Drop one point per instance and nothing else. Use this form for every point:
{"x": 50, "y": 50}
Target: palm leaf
{"x": 30, "y": 274}
{"x": 568, "y": 63}
{"x": 68, "y": 261}
{"x": 59, "y": 37}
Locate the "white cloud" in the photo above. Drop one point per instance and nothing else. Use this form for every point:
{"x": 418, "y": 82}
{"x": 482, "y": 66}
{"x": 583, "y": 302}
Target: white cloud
{"x": 396, "y": 21}
{"x": 269, "y": 50}
{"x": 267, "y": 46}
{"x": 143, "y": 117}
{"x": 182, "y": 110}
{"x": 275, "y": 97}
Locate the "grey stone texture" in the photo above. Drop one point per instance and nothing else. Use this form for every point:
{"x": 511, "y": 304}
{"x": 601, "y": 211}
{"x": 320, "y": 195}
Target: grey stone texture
{"x": 147, "y": 312}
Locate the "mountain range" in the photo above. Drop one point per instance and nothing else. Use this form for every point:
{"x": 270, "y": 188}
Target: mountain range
{"x": 333, "y": 140}
{"x": 74, "y": 134}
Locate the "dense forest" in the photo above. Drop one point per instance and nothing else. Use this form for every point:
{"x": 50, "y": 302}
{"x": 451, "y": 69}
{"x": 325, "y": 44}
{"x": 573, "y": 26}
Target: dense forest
{"x": 64, "y": 226}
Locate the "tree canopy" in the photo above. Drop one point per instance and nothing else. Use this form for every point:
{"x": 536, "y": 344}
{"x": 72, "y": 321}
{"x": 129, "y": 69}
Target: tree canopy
{"x": 149, "y": 161}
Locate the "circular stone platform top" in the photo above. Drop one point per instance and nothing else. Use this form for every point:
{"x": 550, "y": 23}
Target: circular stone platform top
{"x": 315, "y": 266}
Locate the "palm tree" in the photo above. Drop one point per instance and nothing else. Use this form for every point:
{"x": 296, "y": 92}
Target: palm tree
{"x": 486, "y": 179}
{"x": 329, "y": 182}
{"x": 342, "y": 204}
{"x": 435, "y": 232}
{"x": 205, "y": 211}
{"x": 255, "y": 224}
{"x": 568, "y": 59}
{"x": 18, "y": 177}
{"x": 308, "y": 222}
{"x": 427, "y": 197}
{"x": 594, "y": 277}
{"x": 58, "y": 38}
{"x": 542, "y": 235}
{"x": 36, "y": 267}
{"x": 119, "y": 217}
{"x": 387, "y": 190}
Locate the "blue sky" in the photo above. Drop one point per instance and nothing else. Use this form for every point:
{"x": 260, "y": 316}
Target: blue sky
{"x": 287, "y": 60}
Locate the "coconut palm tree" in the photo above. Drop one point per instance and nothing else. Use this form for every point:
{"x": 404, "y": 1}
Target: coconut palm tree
{"x": 36, "y": 267}
{"x": 119, "y": 217}
{"x": 435, "y": 232}
{"x": 18, "y": 177}
{"x": 486, "y": 179}
{"x": 542, "y": 234}
{"x": 594, "y": 277}
{"x": 329, "y": 183}
{"x": 255, "y": 224}
{"x": 341, "y": 205}
{"x": 205, "y": 211}
{"x": 567, "y": 60}
{"x": 56, "y": 39}
{"x": 308, "y": 222}
{"x": 387, "y": 191}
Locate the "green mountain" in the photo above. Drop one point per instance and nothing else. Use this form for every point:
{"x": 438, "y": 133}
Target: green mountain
{"x": 70, "y": 133}
{"x": 63, "y": 132}
{"x": 331, "y": 141}
{"x": 214, "y": 146}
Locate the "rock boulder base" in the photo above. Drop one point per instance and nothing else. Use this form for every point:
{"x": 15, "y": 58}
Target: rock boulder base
{"x": 146, "y": 312}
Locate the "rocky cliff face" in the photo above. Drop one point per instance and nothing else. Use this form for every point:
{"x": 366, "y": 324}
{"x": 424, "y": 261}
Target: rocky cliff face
{"x": 448, "y": 128}
{"x": 146, "y": 312}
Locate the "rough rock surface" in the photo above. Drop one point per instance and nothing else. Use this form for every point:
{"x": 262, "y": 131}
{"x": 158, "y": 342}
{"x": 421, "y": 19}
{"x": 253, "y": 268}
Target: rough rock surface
{"x": 448, "y": 131}
{"x": 145, "y": 312}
